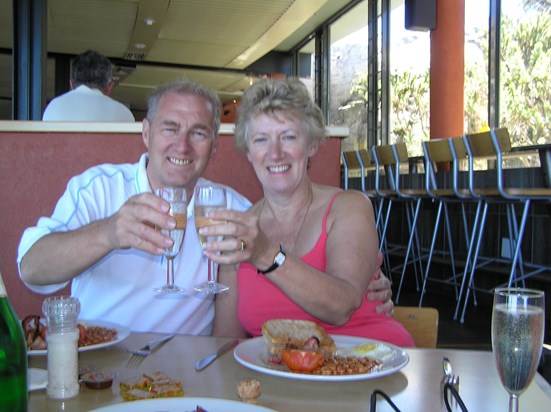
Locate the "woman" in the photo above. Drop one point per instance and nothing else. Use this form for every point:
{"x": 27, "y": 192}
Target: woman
{"x": 306, "y": 251}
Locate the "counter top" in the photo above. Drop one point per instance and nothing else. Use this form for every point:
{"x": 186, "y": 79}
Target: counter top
{"x": 113, "y": 127}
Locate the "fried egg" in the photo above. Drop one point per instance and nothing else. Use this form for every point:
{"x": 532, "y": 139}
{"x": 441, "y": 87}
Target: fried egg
{"x": 377, "y": 351}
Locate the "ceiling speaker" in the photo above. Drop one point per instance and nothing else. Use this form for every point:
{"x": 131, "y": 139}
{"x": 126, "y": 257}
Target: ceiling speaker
{"x": 420, "y": 15}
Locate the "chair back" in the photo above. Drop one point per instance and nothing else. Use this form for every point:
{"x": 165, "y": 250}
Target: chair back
{"x": 356, "y": 160}
{"x": 435, "y": 151}
{"x": 349, "y": 163}
{"x": 490, "y": 145}
{"x": 447, "y": 150}
{"x": 483, "y": 144}
{"x": 421, "y": 323}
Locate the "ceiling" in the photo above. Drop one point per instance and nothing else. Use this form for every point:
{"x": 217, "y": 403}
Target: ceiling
{"x": 214, "y": 42}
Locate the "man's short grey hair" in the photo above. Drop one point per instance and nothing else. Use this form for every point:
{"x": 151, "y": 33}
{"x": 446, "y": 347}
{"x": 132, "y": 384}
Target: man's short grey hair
{"x": 185, "y": 86}
{"x": 91, "y": 69}
{"x": 276, "y": 97}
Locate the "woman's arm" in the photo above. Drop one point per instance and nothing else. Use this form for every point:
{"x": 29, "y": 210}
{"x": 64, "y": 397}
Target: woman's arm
{"x": 352, "y": 247}
{"x": 226, "y": 322}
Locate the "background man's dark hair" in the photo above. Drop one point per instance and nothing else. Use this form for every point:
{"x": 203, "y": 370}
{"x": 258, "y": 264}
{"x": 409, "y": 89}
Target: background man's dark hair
{"x": 91, "y": 69}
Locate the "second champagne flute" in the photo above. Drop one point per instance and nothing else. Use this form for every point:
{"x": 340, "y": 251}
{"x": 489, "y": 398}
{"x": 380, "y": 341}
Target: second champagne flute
{"x": 518, "y": 321}
{"x": 176, "y": 196}
{"x": 207, "y": 198}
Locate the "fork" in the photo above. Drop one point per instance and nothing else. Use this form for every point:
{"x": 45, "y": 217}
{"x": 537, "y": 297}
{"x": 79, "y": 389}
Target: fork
{"x": 449, "y": 377}
{"x": 139, "y": 355}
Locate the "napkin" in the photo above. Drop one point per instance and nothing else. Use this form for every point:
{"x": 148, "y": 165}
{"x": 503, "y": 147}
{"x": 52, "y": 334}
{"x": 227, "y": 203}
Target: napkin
{"x": 37, "y": 379}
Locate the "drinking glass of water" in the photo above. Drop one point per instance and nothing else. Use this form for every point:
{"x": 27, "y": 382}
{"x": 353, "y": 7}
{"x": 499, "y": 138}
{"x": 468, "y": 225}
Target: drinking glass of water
{"x": 517, "y": 338}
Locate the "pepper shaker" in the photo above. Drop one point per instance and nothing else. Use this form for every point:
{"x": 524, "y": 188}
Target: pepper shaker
{"x": 62, "y": 335}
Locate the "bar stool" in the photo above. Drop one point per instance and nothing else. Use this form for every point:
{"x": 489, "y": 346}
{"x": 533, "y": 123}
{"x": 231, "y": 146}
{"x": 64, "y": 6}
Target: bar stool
{"x": 449, "y": 151}
{"x": 391, "y": 158}
{"x": 495, "y": 144}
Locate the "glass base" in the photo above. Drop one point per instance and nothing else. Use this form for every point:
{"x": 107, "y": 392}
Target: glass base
{"x": 211, "y": 288}
{"x": 170, "y": 292}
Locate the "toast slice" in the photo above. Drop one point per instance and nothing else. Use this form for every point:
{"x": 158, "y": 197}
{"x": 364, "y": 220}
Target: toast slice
{"x": 279, "y": 333}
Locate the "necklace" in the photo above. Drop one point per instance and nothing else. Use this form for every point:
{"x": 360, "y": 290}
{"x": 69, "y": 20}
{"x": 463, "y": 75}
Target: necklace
{"x": 303, "y": 219}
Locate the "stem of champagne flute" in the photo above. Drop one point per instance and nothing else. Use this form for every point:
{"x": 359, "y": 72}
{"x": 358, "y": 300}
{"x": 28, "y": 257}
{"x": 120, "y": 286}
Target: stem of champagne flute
{"x": 210, "y": 275}
{"x": 170, "y": 271}
{"x": 513, "y": 403}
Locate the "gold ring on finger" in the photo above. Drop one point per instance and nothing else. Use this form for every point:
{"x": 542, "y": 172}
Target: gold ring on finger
{"x": 243, "y": 245}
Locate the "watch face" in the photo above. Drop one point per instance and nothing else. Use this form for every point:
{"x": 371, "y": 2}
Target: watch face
{"x": 279, "y": 259}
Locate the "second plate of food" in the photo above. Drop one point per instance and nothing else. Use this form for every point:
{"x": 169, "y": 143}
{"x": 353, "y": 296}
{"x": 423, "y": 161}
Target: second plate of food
{"x": 114, "y": 332}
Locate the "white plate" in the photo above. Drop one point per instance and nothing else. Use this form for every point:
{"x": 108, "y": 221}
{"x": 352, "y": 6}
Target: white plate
{"x": 253, "y": 355}
{"x": 37, "y": 379}
{"x": 122, "y": 333}
{"x": 183, "y": 404}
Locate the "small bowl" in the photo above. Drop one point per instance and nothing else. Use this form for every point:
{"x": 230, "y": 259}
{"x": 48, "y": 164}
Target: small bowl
{"x": 98, "y": 379}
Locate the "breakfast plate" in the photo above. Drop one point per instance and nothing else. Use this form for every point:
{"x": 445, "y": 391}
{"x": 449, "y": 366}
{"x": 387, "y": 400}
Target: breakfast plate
{"x": 122, "y": 333}
{"x": 183, "y": 404}
{"x": 253, "y": 355}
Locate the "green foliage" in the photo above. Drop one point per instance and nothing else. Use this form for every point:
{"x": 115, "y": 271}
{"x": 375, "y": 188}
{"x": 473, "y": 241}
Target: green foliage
{"x": 526, "y": 78}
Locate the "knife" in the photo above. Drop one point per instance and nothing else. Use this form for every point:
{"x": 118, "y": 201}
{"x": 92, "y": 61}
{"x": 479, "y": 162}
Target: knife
{"x": 207, "y": 360}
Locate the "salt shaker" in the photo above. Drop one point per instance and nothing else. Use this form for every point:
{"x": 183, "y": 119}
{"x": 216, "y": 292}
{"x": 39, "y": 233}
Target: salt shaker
{"x": 62, "y": 339}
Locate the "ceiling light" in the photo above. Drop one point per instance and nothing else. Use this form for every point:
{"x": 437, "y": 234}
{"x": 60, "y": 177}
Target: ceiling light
{"x": 140, "y": 46}
{"x": 149, "y": 21}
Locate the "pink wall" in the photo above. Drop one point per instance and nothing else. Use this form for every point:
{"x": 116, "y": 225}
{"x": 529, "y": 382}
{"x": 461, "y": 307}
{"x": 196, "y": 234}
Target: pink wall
{"x": 35, "y": 168}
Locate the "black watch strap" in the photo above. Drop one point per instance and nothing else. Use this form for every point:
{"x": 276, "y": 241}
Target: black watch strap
{"x": 279, "y": 259}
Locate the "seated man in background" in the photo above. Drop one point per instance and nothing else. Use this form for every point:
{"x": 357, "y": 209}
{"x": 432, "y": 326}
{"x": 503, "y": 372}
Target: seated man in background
{"x": 88, "y": 100}
{"x": 102, "y": 238}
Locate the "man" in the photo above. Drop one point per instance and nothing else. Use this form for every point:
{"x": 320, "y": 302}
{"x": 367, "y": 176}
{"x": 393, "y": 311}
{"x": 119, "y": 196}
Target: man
{"x": 88, "y": 100}
{"x": 101, "y": 236}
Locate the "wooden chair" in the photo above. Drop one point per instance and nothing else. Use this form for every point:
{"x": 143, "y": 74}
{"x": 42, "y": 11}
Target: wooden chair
{"x": 421, "y": 323}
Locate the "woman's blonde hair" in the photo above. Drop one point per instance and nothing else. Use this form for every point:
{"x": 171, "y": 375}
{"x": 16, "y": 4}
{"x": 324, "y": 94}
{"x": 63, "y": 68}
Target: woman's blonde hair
{"x": 277, "y": 97}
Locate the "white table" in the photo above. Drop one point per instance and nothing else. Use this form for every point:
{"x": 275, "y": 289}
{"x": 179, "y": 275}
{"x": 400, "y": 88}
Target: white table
{"x": 414, "y": 388}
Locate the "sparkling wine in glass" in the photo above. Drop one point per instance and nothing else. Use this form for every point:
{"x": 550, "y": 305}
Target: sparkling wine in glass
{"x": 517, "y": 338}
{"x": 209, "y": 197}
{"x": 176, "y": 196}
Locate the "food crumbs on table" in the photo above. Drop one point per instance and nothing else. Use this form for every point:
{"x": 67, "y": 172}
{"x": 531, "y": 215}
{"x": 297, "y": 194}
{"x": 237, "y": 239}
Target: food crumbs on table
{"x": 249, "y": 390}
{"x": 150, "y": 385}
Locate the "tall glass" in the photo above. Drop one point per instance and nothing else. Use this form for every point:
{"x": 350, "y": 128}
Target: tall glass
{"x": 176, "y": 196}
{"x": 518, "y": 319}
{"x": 207, "y": 198}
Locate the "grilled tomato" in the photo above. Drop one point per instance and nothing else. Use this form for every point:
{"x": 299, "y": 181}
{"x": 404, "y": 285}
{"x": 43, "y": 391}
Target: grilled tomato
{"x": 302, "y": 361}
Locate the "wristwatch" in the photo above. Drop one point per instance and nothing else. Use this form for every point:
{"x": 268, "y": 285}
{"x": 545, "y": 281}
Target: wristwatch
{"x": 279, "y": 260}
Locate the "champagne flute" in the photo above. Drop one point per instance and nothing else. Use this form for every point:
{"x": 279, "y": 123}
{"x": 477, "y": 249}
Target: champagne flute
{"x": 176, "y": 196}
{"x": 209, "y": 197}
{"x": 517, "y": 338}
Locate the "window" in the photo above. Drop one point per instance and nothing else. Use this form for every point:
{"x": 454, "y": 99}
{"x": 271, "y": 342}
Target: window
{"x": 306, "y": 60}
{"x": 476, "y": 65}
{"x": 409, "y": 82}
{"x": 348, "y": 75}
{"x": 524, "y": 75}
